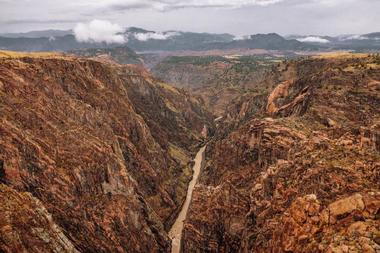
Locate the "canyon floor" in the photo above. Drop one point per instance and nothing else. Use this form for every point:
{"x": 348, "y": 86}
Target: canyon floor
{"x": 97, "y": 156}
{"x": 176, "y": 230}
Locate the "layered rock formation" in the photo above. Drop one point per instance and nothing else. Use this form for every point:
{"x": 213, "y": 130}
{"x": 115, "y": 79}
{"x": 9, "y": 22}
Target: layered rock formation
{"x": 300, "y": 173}
{"x": 218, "y": 80}
{"x": 93, "y": 156}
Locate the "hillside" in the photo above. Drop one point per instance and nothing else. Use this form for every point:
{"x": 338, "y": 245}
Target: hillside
{"x": 94, "y": 156}
{"x": 120, "y": 54}
{"x": 218, "y": 80}
{"x": 300, "y": 173}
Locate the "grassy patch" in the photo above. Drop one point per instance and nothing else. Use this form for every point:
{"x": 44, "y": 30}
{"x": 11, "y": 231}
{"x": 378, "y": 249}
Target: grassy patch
{"x": 14, "y": 54}
{"x": 178, "y": 154}
{"x": 340, "y": 55}
{"x": 168, "y": 87}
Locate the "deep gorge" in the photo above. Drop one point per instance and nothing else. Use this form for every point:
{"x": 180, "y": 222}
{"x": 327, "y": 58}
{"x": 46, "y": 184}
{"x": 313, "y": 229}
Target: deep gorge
{"x": 97, "y": 156}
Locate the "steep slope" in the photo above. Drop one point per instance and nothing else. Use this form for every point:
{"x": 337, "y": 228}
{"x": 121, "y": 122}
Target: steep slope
{"x": 218, "y": 80}
{"x": 82, "y": 160}
{"x": 302, "y": 173}
{"x": 120, "y": 54}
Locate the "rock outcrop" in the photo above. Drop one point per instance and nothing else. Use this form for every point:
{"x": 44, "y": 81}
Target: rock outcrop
{"x": 300, "y": 173}
{"x": 86, "y": 164}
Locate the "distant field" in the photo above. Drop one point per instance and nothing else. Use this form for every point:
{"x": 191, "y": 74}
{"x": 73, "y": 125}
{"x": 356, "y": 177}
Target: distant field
{"x": 14, "y": 54}
{"x": 340, "y": 54}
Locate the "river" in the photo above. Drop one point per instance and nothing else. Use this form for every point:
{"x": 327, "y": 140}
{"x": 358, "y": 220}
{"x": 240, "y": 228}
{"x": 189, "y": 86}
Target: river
{"x": 175, "y": 232}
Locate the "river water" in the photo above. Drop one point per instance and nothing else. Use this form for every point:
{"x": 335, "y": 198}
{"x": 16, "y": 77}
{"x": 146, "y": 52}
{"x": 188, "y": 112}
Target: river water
{"x": 175, "y": 232}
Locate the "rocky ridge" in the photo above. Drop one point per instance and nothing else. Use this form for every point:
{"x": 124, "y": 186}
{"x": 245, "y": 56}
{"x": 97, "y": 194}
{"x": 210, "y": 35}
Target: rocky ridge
{"x": 299, "y": 174}
{"x": 86, "y": 166}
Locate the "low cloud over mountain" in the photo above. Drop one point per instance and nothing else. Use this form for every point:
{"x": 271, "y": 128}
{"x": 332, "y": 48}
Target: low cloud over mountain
{"x": 314, "y": 39}
{"x": 99, "y": 31}
{"x": 154, "y": 36}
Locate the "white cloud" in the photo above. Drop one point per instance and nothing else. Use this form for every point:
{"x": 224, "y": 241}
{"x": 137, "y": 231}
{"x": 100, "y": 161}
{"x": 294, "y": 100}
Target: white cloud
{"x": 314, "y": 39}
{"x": 242, "y": 37}
{"x": 99, "y": 31}
{"x": 352, "y": 37}
{"x": 154, "y": 36}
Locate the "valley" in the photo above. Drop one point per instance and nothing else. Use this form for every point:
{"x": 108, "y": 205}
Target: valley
{"x": 189, "y": 126}
{"x": 96, "y": 152}
{"x": 176, "y": 230}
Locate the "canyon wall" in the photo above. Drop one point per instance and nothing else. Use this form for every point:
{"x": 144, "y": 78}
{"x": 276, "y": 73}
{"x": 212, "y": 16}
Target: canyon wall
{"x": 301, "y": 174}
{"x": 95, "y": 157}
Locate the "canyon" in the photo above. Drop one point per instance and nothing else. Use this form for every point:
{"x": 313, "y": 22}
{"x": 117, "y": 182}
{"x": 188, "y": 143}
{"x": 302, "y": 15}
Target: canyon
{"x": 297, "y": 171}
{"x": 176, "y": 230}
{"x": 97, "y": 155}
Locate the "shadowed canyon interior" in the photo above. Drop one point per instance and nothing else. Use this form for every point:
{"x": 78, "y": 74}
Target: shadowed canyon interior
{"x": 96, "y": 155}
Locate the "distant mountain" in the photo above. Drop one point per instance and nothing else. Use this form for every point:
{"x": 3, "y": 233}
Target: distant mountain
{"x": 137, "y": 30}
{"x": 270, "y": 41}
{"x": 38, "y": 34}
{"x": 358, "y": 42}
{"x": 60, "y": 43}
{"x": 138, "y": 39}
{"x": 373, "y": 35}
{"x": 141, "y": 40}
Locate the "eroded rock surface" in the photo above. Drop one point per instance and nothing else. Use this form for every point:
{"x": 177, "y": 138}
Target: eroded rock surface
{"x": 84, "y": 165}
{"x": 300, "y": 174}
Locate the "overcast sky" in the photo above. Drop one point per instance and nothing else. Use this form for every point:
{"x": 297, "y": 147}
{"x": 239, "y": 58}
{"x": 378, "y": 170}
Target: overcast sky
{"x": 239, "y": 17}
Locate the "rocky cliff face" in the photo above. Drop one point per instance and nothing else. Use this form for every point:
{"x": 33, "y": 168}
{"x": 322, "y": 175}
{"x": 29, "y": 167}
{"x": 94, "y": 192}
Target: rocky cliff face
{"x": 300, "y": 174}
{"x": 95, "y": 157}
{"x": 86, "y": 163}
{"x": 218, "y": 80}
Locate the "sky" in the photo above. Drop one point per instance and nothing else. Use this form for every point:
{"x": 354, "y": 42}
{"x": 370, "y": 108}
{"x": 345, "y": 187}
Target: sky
{"x": 238, "y": 17}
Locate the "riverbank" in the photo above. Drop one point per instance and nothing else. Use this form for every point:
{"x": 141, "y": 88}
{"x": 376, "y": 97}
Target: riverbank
{"x": 175, "y": 232}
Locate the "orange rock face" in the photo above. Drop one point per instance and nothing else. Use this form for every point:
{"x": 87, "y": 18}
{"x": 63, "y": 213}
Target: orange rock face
{"x": 304, "y": 180}
{"x": 93, "y": 156}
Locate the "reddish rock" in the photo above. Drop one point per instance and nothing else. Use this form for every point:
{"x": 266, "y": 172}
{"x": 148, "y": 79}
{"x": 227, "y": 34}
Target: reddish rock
{"x": 78, "y": 141}
{"x": 301, "y": 180}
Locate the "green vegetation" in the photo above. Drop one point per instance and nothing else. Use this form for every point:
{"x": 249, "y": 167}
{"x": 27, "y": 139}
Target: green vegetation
{"x": 14, "y": 54}
{"x": 250, "y": 61}
{"x": 178, "y": 154}
{"x": 122, "y": 55}
{"x": 195, "y": 60}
